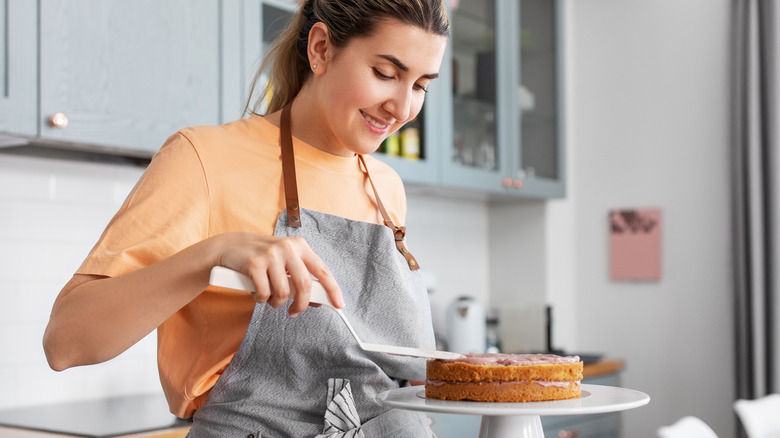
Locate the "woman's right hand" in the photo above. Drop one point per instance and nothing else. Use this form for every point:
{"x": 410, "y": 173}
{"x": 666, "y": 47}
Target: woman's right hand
{"x": 273, "y": 263}
{"x": 95, "y": 318}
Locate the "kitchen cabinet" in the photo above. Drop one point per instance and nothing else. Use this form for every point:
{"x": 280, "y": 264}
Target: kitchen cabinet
{"x": 120, "y": 77}
{"x": 505, "y": 61}
{"x": 126, "y": 75}
{"x": 18, "y": 63}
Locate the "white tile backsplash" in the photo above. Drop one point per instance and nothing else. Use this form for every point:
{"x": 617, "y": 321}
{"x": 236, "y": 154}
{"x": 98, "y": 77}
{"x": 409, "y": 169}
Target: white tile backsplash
{"x": 51, "y": 214}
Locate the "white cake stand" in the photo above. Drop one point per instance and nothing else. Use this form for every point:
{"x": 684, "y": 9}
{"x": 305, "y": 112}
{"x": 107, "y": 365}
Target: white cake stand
{"x": 504, "y": 420}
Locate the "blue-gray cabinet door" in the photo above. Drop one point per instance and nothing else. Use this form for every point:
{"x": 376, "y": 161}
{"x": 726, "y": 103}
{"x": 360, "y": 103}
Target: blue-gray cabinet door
{"x": 128, "y": 74}
{"x": 539, "y": 152}
{"x": 476, "y": 154}
{"x": 18, "y": 67}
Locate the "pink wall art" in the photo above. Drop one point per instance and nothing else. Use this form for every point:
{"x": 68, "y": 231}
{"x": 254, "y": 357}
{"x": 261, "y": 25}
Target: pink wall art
{"x": 635, "y": 244}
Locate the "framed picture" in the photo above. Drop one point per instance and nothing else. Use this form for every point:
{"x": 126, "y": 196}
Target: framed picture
{"x": 635, "y": 244}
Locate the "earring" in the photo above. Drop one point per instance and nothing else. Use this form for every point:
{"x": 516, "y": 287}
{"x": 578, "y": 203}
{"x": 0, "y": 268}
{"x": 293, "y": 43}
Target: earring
{"x": 314, "y": 66}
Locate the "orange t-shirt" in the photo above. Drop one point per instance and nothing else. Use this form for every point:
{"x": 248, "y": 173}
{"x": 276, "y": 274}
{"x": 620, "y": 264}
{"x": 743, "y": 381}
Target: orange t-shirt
{"x": 208, "y": 180}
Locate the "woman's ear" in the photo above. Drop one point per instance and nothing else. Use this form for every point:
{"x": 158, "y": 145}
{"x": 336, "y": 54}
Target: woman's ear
{"x": 319, "y": 48}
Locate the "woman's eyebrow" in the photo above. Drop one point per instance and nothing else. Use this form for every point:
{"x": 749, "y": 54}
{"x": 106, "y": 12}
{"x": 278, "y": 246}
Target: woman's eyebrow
{"x": 404, "y": 67}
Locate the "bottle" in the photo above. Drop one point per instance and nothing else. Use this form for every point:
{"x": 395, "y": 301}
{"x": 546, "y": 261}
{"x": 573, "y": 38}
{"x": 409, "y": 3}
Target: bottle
{"x": 410, "y": 140}
{"x": 391, "y": 146}
{"x": 492, "y": 337}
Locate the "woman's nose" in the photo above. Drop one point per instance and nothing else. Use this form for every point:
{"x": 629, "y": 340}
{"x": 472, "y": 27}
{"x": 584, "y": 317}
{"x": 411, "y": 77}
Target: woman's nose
{"x": 400, "y": 105}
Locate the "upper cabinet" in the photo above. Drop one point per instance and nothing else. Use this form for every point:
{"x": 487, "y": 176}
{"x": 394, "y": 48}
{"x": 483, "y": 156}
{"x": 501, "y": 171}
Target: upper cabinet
{"x": 540, "y": 154}
{"x": 126, "y": 75}
{"x": 18, "y": 63}
{"x": 123, "y": 76}
{"x": 506, "y": 99}
{"x": 477, "y": 151}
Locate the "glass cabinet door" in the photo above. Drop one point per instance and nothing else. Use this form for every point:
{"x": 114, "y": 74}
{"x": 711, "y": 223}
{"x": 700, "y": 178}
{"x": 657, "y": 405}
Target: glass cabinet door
{"x": 474, "y": 85}
{"x": 539, "y": 161}
{"x": 475, "y": 158}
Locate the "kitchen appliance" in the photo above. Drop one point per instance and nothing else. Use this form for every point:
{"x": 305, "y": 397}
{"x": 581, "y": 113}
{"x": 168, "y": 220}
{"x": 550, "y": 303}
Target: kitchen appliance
{"x": 228, "y": 278}
{"x": 466, "y": 325}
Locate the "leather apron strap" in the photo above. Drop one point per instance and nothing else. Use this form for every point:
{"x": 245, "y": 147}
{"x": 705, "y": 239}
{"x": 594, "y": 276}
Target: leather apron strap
{"x": 398, "y": 232}
{"x": 291, "y": 190}
{"x": 288, "y": 171}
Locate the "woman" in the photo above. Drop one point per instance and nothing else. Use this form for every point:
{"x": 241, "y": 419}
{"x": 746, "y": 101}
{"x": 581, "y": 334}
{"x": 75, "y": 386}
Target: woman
{"x": 344, "y": 76}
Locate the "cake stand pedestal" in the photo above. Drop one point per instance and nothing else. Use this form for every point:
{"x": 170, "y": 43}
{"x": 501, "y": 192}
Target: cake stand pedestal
{"x": 520, "y": 420}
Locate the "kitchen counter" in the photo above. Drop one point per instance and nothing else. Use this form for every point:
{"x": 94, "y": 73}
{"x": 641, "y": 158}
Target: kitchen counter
{"x": 13, "y": 432}
{"x": 602, "y": 367}
{"x": 135, "y": 416}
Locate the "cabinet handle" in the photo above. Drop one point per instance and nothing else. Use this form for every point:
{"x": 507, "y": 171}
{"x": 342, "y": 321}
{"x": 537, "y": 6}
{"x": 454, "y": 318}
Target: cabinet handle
{"x": 59, "y": 120}
{"x": 574, "y": 433}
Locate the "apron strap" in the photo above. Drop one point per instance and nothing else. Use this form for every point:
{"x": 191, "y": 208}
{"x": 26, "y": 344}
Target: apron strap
{"x": 398, "y": 232}
{"x": 291, "y": 190}
{"x": 288, "y": 171}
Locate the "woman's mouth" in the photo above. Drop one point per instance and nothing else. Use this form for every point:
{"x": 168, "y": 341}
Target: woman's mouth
{"x": 375, "y": 125}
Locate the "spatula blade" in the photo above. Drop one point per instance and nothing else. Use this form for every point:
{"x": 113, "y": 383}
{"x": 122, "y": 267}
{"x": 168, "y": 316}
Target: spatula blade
{"x": 409, "y": 351}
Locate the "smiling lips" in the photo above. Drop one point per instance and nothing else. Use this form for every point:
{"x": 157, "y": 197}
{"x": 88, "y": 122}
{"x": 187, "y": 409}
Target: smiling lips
{"x": 375, "y": 125}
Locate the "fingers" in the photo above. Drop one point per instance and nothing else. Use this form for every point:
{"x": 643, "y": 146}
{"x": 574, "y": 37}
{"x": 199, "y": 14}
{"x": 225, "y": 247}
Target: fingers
{"x": 282, "y": 268}
{"x": 300, "y": 280}
{"x": 317, "y": 268}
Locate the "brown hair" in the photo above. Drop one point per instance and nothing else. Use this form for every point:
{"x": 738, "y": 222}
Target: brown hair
{"x": 287, "y": 62}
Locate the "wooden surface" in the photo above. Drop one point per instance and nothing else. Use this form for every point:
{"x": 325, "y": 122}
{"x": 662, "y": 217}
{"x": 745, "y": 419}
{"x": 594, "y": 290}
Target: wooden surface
{"x": 602, "y": 367}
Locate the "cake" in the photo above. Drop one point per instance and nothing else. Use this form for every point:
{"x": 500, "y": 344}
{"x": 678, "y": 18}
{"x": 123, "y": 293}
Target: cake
{"x": 504, "y": 377}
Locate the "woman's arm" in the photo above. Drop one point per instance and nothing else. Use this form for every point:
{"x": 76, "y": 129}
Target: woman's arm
{"x": 96, "y": 318}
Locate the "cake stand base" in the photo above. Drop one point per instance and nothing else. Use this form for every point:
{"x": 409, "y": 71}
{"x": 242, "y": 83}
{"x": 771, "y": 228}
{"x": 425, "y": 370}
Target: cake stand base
{"x": 526, "y": 426}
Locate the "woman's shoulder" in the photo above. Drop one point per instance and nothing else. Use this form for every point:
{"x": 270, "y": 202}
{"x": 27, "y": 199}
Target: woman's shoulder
{"x": 252, "y": 129}
{"x": 219, "y": 149}
{"x": 381, "y": 171}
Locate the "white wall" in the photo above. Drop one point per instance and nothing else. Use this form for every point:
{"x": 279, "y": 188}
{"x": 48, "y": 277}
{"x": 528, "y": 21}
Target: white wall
{"x": 51, "y": 213}
{"x": 648, "y": 127}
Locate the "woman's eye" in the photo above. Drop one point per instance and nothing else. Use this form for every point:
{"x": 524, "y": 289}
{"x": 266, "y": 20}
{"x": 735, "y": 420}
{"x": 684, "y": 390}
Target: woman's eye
{"x": 421, "y": 88}
{"x": 381, "y": 75}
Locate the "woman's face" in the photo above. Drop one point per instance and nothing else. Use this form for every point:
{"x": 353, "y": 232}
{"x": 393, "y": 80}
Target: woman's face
{"x": 374, "y": 85}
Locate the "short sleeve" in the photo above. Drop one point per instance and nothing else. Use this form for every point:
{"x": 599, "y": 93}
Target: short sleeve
{"x": 167, "y": 211}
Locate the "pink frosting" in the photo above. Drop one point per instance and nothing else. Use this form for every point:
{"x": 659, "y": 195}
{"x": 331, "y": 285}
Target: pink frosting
{"x": 512, "y": 359}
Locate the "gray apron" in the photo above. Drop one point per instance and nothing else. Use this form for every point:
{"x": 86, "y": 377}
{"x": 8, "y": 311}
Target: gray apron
{"x": 306, "y": 376}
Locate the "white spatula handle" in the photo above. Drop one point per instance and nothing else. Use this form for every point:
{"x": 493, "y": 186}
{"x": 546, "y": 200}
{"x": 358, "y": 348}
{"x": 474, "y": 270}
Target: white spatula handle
{"x": 230, "y": 279}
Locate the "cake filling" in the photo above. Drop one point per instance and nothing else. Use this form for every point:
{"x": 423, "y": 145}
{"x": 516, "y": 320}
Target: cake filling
{"x": 538, "y": 382}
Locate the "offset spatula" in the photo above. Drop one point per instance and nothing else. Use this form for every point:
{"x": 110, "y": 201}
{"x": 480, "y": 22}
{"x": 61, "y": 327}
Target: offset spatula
{"x": 228, "y": 278}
